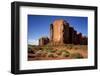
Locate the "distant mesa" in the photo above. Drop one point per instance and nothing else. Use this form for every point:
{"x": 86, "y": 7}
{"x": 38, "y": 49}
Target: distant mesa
{"x": 62, "y": 33}
{"x": 43, "y": 41}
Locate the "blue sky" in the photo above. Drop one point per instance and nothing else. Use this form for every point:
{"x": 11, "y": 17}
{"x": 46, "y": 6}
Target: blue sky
{"x": 39, "y": 25}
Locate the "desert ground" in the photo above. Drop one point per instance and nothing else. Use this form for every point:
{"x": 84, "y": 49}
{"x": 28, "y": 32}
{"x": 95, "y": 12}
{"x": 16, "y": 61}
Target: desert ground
{"x": 68, "y": 51}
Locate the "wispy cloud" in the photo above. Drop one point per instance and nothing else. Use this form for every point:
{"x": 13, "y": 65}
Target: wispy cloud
{"x": 33, "y": 42}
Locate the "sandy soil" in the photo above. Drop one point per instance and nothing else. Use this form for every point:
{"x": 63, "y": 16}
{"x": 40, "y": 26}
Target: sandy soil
{"x": 60, "y": 52}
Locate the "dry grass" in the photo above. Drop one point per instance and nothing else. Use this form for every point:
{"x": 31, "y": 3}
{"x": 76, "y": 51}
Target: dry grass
{"x": 69, "y": 51}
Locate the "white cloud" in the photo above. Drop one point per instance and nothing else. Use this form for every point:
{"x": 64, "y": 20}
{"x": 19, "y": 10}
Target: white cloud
{"x": 33, "y": 42}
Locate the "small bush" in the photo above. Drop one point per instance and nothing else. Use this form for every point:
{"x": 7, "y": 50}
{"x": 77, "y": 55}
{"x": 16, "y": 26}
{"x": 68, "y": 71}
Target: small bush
{"x": 36, "y": 48}
{"x": 58, "y": 52}
{"x": 39, "y": 53}
{"x": 30, "y": 50}
{"x": 51, "y": 55}
{"x": 52, "y": 51}
{"x": 65, "y": 54}
{"x": 48, "y": 48}
{"x": 70, "y": 46}
{"x": 76, "y": 55}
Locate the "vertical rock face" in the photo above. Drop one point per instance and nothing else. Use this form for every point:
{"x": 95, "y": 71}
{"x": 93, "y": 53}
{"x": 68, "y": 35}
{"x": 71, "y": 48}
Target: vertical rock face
{"x": 84, "y": 40}
{"x": 51, "y": 32}
{"x": 59, "y": 31}
{"x": 79, "y": 38}
{"x": 43, "y": 41}
{"x": 62, "y": 33}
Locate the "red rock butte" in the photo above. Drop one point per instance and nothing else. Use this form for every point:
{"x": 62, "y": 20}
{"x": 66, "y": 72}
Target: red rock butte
{"x": 62, "y": 33}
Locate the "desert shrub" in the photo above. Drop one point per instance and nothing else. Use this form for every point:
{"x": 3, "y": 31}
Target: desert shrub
{"x": 47, "y": 47}
{"x": 43, "y": 55}
{"x": 69, "y": 46}
{"x": 36, "y": 48}
{"x": 58, "y": 52}
{"x": 76, "y": 48}
{"x": 31, "y": 55}
{"x": 40, "y": 48}
{"x": 30, "y": 50}
{"x": 76, "y": 55}
{"x": 63, "y": 50}
{"x": 52, "y": 51}
{"x": 50, "y": 55}
{"x": 65, "y": 54}
{"x": 39, "y": 53}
